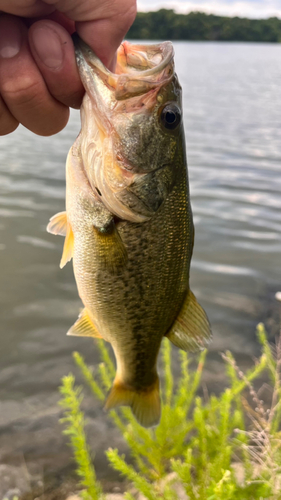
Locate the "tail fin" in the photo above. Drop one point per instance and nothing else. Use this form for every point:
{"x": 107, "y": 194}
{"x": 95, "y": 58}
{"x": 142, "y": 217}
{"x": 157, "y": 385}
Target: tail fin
{"x": 145, "y": 405}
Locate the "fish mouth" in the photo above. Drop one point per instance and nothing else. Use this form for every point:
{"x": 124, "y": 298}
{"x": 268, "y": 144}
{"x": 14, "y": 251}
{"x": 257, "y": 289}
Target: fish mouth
{"x": 139, "y": 69}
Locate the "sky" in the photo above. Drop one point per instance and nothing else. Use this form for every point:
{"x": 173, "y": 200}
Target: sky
{"x": 243, "y": 8}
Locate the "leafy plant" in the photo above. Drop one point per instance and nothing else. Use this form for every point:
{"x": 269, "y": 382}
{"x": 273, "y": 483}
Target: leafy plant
{"x": 199, "y": 446}
{"x": 75, "y": 423}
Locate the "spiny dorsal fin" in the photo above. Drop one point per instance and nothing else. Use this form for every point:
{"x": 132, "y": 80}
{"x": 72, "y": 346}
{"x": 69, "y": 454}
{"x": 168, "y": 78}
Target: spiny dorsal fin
{"x": 58, "y": 224}
{"x": 84, "y": 326}
{"x": 145, "y": 405}
{"x": 191, "y": 330}
{"x": 110, "y": 248}
{"x": 67, "y": 253}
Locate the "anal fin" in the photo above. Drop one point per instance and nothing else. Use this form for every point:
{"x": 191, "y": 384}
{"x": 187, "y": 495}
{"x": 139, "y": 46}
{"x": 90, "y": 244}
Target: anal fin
{"x": 191, "y": 329}
{"x": 145, "y": 404}
{"x": 58, "y": 224}
{"x": 84, "y": 326}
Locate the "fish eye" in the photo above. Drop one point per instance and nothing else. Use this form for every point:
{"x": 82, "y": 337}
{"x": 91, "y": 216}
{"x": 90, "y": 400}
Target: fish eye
{"x": 170, "y": 116}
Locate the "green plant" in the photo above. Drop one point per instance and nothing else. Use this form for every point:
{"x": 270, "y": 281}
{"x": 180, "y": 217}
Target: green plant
{"x": 75, "y": 423}
{"x": 198, "y": 443}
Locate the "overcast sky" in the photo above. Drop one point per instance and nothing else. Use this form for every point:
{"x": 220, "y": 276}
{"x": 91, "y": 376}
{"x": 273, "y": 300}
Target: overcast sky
{"x": 243, "y": 8}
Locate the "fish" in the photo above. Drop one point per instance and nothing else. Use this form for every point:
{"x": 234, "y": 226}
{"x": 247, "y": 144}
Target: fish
{"x": 128, "y": 222}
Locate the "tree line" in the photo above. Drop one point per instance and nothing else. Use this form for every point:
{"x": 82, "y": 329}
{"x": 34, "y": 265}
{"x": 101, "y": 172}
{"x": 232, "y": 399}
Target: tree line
{"x": 166, "y": 24}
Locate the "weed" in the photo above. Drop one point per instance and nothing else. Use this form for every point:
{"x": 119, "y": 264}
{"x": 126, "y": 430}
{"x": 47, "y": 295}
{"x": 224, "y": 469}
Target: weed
{"x": 198, "y": 443}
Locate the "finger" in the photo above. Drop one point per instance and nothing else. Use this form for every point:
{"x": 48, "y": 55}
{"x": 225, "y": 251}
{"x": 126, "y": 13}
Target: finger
{"x": 26, "y": 8}
{"x": 104, "y": 37}
{"x": 101, "y": 24}
{"x": 7, "y": 122}
{"x": 56, "y": 16}
{"x": 53, "y": 50}
{"x": 21, "y": 84}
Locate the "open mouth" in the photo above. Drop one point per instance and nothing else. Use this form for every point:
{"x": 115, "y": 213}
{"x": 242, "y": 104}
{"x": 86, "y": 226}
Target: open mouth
{"x": 139, "y": 68}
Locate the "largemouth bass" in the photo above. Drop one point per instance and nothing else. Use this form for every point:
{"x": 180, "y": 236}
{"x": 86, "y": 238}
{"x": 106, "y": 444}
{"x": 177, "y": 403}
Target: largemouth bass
{"x": 128, "y": 221}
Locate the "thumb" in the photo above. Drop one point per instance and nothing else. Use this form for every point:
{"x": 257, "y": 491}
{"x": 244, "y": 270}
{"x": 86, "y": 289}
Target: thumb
{"x": 101, "y": 24}
{"x": 105, "y": 34}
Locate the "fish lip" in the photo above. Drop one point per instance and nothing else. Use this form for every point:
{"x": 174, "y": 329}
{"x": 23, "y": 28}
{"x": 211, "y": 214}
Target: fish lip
{"x": 83, "y": 51}
{"x": 166, "y": 48}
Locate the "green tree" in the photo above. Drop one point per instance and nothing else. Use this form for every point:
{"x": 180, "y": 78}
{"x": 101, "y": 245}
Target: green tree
{"x": 165, "y": 24}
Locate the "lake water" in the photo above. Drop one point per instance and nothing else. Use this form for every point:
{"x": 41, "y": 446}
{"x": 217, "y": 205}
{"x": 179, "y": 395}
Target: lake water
{"x": 232, "y": 113}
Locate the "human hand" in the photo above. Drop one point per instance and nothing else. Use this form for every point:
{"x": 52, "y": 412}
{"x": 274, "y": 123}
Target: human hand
{"x": 39, "y": 79}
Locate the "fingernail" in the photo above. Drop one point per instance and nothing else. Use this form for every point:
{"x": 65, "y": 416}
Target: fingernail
{"x": 10, "y": 39}
{"x": 48, "y": 46}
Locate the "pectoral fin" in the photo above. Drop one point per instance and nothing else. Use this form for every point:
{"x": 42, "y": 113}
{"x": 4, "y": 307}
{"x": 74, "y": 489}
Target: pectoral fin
{"x": 67, "y": 253}
{"x": 110, "y": 248}
{"x": 84, "y": 327}
{"x": 191, "y": 330}
{"x": 58, "y": 224}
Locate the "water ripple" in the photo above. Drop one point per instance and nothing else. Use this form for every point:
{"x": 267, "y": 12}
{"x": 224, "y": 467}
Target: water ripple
{"x": 213, "y": 267}
{"x": 232, "y": 117}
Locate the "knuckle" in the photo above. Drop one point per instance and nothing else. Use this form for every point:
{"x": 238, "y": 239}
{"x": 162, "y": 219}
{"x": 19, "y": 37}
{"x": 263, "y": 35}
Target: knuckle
{"x": 33, "y": 106}
{"x": 22, "y": 92}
